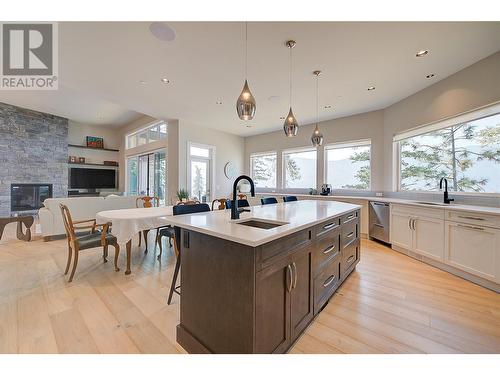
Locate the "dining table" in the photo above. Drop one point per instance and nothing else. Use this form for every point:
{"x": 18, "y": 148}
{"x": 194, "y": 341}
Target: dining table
{"x": 126, "y": 223}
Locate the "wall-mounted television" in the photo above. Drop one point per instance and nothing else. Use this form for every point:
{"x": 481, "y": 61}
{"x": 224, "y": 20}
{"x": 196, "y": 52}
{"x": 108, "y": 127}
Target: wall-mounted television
{"x": 92, "y": 178}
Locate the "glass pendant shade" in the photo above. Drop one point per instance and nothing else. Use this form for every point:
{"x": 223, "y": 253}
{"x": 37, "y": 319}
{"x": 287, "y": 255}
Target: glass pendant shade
{"x": 317, "y": 137}
{"x": 245, "y": 105}
{"x": 291, "y": 126}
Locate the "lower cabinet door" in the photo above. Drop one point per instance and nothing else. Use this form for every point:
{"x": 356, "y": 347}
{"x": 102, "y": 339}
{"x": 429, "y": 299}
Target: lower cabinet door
{"x": 272, "y": 311}
{"x": 429, "y": 237}
{"x": 473, "y": 249}
{"x": 301, "y": 296}
{"x": 401, "y": 233}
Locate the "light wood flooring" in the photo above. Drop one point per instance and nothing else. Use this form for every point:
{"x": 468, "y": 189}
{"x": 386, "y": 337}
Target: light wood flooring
{"x": 390, "y": 304}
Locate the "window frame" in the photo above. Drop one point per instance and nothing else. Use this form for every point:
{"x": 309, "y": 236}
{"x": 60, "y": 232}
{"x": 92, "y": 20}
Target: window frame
{"x": 347, "y": 144}
{"x": 212, "y": 170}
{"x": 265, "y": 153}
{"x": 477, "y": 114}
{"x": 283, "y": 168}
{"x": 146, "y": 129}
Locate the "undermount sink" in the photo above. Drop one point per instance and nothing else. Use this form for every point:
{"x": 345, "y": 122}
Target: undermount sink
{"x": 433, "y": 203}
{"x": 261, "y": 224}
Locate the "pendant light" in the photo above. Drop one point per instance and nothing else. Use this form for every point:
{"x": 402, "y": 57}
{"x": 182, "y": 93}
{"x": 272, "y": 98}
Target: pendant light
{"x": 291, "y": 126}
{"x": 245, "y": 105}
{"x": 317, "y": 137}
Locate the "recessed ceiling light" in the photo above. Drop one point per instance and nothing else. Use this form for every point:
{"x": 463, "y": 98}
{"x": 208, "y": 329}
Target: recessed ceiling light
{"x": 421, "y": 53}
{"x": 218, "y": 102}
{"x": 165, "y": 80}
{"x": 429, "y": 75}
{"x": 371, "y": 88}
{"x": 162, "y": 31}
{"x": 143, "y": 82}
{"x": 328, "y": 106}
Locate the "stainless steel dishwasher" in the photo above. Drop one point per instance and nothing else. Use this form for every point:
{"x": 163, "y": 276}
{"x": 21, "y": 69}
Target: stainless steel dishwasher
{"x": 379, "y": 221}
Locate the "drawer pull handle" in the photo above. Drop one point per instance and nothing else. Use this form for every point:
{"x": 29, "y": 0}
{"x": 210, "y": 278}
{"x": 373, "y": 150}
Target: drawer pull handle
{"x": 328, "y": 249}
{"x": 471, "y": 218}
{"x": 328, "y": 281}
{"x": 329, "y": 226}
{"x": 350, "y": 259}
{"x": 470, "y": 227}
{"x": 350, "y": 234}
{"x": 351, "y": 216}
{"x": 378, "y": 225}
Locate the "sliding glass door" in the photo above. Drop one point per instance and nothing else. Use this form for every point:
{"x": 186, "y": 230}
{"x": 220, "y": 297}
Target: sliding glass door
{"x": 147, "y": 175}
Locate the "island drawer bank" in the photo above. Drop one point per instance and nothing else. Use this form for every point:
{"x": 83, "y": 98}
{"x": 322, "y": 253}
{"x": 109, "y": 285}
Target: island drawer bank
{"x": 239, "y": 298}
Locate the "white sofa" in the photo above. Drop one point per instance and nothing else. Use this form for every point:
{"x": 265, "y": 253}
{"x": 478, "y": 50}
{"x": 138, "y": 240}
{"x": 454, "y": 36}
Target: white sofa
{"x": 81, "y": 208}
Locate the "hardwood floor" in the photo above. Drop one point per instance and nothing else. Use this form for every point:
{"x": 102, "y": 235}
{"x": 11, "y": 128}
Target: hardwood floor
{"x": 390, "y": 304}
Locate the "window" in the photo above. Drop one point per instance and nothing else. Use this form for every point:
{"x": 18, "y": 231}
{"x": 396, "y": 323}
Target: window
{"x": 347, "y": 165}
{"x": 147, "y": 175}
{"x": 152, "y": 133}
{"x": 299, "y": 169}
{"x": 466, "y": 153}
{"x": 201, "y": 161}
{"x": 263, "y": 170}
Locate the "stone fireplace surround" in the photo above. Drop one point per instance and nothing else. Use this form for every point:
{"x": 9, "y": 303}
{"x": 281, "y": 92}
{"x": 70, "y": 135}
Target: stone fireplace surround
{"x": 33, "y": 150}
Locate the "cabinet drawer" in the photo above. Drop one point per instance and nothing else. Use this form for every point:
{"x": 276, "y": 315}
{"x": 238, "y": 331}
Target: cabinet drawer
{"x": 350, "y": 233}
{"x": 326, "y": 283}
{"x": 350, "y": 256}
{"x": 473, "y": 218}
{"x": 327, "y": 227}
{"x": 415, "y": 211}
{"x": 351, "y": 216}
{"x": 326, "y": 248}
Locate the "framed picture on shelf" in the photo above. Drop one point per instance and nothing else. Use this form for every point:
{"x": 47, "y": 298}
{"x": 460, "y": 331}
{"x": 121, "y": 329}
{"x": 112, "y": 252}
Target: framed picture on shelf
{"x": 94, "y": 142}
{"x": 72, "y": 159}
{"x": 81, "y": 160}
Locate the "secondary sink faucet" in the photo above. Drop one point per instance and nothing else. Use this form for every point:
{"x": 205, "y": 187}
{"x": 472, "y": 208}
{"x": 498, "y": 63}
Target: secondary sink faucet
{"x": 235, "y": 212}
{"x": 445, "y": 197}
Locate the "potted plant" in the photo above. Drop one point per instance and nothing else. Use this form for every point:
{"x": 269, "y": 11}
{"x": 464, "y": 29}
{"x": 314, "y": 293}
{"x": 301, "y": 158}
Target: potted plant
{"x": 182, "y": 195}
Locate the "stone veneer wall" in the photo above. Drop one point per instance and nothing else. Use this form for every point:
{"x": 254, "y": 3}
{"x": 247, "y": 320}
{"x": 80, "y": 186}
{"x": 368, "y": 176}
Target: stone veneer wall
{"x": 33, "y": 149}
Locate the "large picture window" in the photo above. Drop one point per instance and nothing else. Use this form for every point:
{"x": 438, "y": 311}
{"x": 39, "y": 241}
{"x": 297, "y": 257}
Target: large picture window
{"x": 263, "y": 170}
{"x": 347, "y": 165}
{"x": 467, "y": 154}
{"x": 299, "y": 169}
{"x": 152, "y": 133}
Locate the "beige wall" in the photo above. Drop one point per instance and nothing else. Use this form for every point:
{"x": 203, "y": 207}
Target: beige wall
{"x": 77, "y": 133}
{"x": 471, "y": 88}
{"x": 228, "y": 147}
{"x": 363, "y": 126}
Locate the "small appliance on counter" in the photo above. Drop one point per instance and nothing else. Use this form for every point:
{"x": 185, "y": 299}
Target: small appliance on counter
{"x": 326, "y": 189}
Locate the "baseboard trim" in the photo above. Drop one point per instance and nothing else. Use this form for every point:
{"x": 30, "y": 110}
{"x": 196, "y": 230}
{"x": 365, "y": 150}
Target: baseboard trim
{"x": 445, "y": 267}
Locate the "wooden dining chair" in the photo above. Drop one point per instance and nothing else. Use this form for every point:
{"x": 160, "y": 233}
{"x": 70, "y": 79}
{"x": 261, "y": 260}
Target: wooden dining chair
{"x": 222, "y": 203}
{"x": 147, "y": 202}
{"x": 289, "y": 198}
{"x": 182, "y": 210}
{"x": 241, "y": 203}
{"x": 269, "y": 200}
{"x": 77, "y": 242}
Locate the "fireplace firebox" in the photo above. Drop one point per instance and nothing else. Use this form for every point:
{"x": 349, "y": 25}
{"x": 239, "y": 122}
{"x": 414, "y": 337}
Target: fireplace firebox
{"x": 28, "y": 197}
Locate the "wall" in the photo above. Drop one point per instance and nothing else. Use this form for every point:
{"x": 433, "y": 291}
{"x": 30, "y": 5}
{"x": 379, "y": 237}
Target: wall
{"x": 473, "y": 87}
{"x": 33, "y": 149}
{"x": 229, "y": 147}
{"x": 76, "y": 136}
{"x": 362, "y": 126}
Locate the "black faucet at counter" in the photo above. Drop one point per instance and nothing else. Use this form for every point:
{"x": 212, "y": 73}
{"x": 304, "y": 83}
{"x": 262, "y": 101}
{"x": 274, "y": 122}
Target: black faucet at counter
{"x": 235, "y": 212}
{"x": 445, "y": 197}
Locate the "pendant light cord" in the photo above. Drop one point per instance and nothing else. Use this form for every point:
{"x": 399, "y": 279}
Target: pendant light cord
{"x": 317, "y": 100}
{"x": 290, "y": 76}
{"x": 246, "y": 50}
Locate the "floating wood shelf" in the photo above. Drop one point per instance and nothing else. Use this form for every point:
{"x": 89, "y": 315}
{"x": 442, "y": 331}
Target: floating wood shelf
{"x": 95, "y": 148}
{"x": 100, "y": 165}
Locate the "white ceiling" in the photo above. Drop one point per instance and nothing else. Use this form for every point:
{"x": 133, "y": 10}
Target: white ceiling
{"x": 103, "y": 63}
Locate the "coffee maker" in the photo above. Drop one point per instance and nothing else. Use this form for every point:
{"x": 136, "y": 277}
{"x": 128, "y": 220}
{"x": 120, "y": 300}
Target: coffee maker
{"x": 326, "y": 189}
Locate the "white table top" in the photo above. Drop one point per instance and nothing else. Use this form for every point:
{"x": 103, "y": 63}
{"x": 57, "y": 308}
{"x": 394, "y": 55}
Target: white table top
{"x": 126, "y": 223}
{"x": 298, "y": 215}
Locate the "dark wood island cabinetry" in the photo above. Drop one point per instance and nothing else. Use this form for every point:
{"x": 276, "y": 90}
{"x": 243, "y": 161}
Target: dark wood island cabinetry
{"x": 237, "y": 298}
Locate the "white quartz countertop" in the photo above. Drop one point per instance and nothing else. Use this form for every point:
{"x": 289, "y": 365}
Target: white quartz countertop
{"x": 297, "y": 216}
{"x": 452, "y": 206}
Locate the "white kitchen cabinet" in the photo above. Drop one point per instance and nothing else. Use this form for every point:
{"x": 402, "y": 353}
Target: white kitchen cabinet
{"x": 474, "y": 249}
{"x": 418, "y": 230}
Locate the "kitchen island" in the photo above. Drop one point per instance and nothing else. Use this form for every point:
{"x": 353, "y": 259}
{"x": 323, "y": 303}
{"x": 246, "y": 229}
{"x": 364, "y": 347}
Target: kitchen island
{"x": 253, "y": 285}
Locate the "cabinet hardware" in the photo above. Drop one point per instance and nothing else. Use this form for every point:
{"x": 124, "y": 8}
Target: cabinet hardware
{"x": 350, "y": 259}
{"x": 289, "y": 272}
{"x": 350, "y": 217}
{"x": 328, "y": 281}
{"x": 470, "y": 227}
{"x": 471, "y": 218}
{"x": 329, "y": 226}
{"x": 328, "y": 249}
{"x": 409, "y": 223}
{"x": 350, "y": 234}
{"x": 413, "y": 222}
{"x": 378, "y": 225}
{"x": 295, "y": 273}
